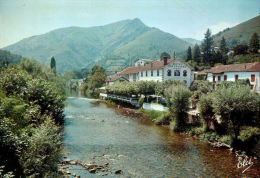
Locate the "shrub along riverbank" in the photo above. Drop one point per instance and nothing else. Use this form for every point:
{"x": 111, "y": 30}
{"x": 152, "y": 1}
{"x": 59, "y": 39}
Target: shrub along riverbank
{"x": 31, "y": 117}
{"x": 231, "y": 108}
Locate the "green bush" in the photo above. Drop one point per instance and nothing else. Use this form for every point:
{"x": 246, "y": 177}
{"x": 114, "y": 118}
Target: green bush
{"x": 177, "y": 98}
{"x": 206, "y": 109}
{"x": 249, "y": 134}
{"x": 226, "y": 139}
{"x": 43, "y": 150}
{"x": 30, "y": 102}
{"x": 236, "y": 105}
{"x": 196, "y": 131}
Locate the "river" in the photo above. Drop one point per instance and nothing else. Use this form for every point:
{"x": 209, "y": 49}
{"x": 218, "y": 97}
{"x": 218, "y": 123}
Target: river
{"x": 95, "y": 133}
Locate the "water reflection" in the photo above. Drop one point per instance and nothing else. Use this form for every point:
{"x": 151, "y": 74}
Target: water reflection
{"x": 95, "y": 133}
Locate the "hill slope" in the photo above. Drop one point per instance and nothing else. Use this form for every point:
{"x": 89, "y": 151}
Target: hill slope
{"x": 192, "y": 41}
{"x": 113, "y": 45}
{"x": 239, "y": 34}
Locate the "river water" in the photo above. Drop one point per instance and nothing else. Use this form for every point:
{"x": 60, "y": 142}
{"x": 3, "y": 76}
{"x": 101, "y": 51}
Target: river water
{"x": 95, "y": 133}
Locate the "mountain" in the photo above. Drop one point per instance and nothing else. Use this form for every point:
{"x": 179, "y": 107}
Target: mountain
{"x": 192, "y": 41}
{"x": 239, "y": 34}
{"x": 113, "y": 45}
{"x": 8, "y": 58}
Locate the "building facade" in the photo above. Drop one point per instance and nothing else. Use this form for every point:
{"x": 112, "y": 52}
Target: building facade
{"x": 179, "y": 71}
{"x": 160, "y": 70}
{"x": 233, "y": 72}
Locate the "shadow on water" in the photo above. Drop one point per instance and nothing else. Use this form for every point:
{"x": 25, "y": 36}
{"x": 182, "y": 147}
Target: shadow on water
{"x": 97, "y": 134}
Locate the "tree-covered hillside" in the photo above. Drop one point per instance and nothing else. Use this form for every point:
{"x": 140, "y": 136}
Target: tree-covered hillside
{"x": 118, "y": 43}
{"x": 240, "y": 34}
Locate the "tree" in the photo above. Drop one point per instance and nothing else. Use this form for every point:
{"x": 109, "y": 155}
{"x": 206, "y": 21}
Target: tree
{"x": 97, "y": 78}
{"x": 164, "y": 54}
{"x": 223, "y": 46}
{"x": 254, "y": 43}
{"x": 53, "y": 64}
{"x": 196, "y": 53}
{"x": 188, "y": 55}
{"x": 236, "y": 105}
{"x": 205, "y": 106}
{"x": 177, "y": 98}
{"x": 207, "y": 48}
{"x": 223, "y": 50}
{"x": 240, "y": 49}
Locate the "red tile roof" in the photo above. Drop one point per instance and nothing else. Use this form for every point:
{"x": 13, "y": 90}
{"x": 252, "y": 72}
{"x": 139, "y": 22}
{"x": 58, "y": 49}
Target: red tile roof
{"x": 115, "y": 78}
{"x": 158, "y": 64}
{"x": 245, "y": 67}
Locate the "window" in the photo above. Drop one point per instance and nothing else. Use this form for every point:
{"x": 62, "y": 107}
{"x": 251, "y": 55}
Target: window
{"x": 219, "y": 78}
{"x": 169, "y": 72}
{"x": 236, "y": 77}
{"x": 225, "y": 77}
{"x": 176, "y": 73}
{"x": 158, "y": 72}
{"x": 141, "y": 73}
{"x": 213, "y": 78}
{"x": 252, "y": 78}
{"x": 151, "y": 72}
{"x": 146, "y": 73}
{"x": 185, "y": 73}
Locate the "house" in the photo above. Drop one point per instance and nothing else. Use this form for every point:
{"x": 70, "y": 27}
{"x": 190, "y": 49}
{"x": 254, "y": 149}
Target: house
{"x": 159, "y": 70}
{"x": 130, "y": 73}
{"x": 116, "y": 79}
{"x": 235, "y": 72}
{"x": 177, "y": 70}
{"x": 142, "y": 62}
{"x": 153, "y": 71}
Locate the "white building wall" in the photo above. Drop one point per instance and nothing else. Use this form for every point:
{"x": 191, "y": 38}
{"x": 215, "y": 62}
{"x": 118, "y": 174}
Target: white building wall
{"x": 181, "y": 67}
{"x": 241, "y": 76}
{"x": 149, "y": 77}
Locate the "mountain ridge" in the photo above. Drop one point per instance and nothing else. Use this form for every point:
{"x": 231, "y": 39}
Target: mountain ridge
{"x": 77, "y": 47}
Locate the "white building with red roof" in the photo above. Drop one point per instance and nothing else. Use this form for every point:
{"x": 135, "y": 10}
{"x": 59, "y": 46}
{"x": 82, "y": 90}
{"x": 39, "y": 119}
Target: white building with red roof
{"x": 160, "y": 70}
{"x": 235, "y": 72}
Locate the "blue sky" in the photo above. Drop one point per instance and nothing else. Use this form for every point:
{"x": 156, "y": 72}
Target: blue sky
{"x": 183, "y": 18}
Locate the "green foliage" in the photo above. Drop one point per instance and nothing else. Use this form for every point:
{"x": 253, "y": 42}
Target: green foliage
{"x": 199, "y": 87}
{"x": 240, "y": 49}
{"x": 31, "y": 100}
{"x": 226, "y": 139}
{"x": 197, "y": 131}
{"x": 249, "y": 134}
{"x": 223, "y": 46}
{"x": 13, "y": 81}
{"x": 42, "y": 150}
{"x": 165, "y": 54}
{"x": 254, "y": 43}
{"x": 53, "y": 64}
{"x": 247, "y": 58}
{"x": 189, "y": 54}
{"x": 48, "y": 97}
{"x": 236, "y": 105}
{"x": 207, "y": 48}
{"x": 196, "y": 53}
{"x": 132, "y": 88}
{"x": 97, "y": 79}
{"x": 177, "y": 98}
{"x": 206, "y": 109}
{"x": 7, "y": 58}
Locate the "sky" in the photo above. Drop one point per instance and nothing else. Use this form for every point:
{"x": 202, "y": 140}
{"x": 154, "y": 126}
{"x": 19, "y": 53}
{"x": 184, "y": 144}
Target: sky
{"x": 183, "y": 18}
